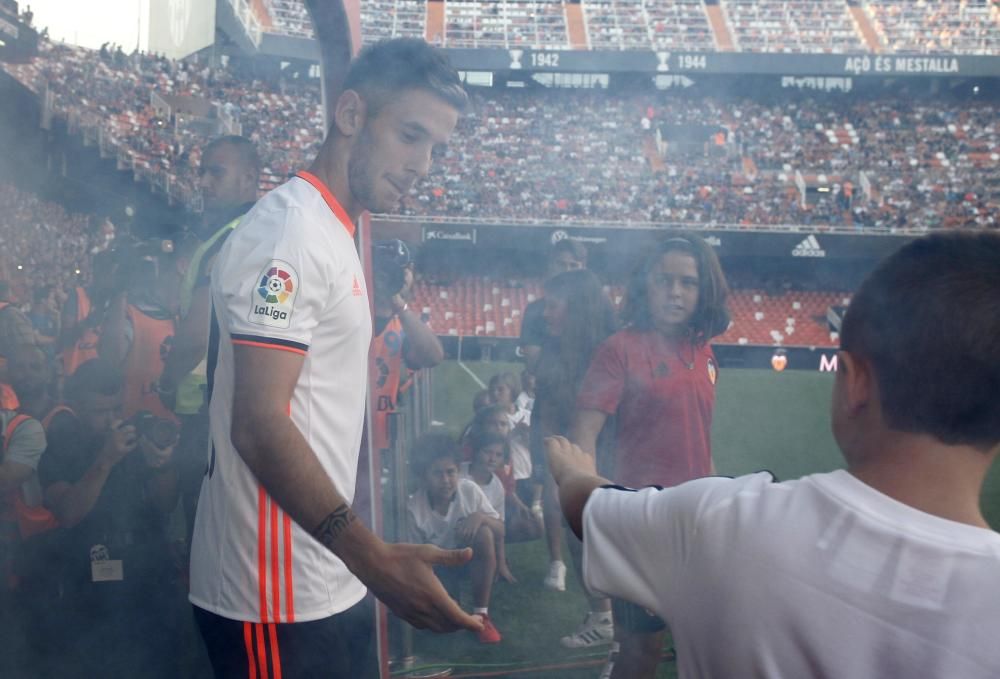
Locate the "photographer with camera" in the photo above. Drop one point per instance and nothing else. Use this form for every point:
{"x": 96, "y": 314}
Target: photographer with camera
{"x": 402, "y": 344}
{"x": 111, "y": 484}
{"x": 402, "y": 340}
{"x": 140, "y": 322}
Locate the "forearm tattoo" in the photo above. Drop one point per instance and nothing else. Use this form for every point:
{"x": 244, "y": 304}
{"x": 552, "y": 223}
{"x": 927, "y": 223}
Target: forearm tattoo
{"x": 334, "y": 525}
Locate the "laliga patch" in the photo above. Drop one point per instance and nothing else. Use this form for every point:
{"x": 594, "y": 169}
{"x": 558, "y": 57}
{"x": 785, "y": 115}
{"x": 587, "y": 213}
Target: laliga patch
{"x": 713, "y": 372}
{"x": 273, "y": 297}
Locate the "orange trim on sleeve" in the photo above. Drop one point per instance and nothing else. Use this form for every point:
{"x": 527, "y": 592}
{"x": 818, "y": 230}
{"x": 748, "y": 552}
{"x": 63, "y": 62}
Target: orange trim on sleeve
{"x": 248, "y": 641}
{"x": 331, "y": 200}
{"x": 264, "y": 345}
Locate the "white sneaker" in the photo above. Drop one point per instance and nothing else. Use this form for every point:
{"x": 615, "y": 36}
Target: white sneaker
{"x": 556, "y": 579}
{"x": 609, "y": 665}
{"x": 597, "y": 629}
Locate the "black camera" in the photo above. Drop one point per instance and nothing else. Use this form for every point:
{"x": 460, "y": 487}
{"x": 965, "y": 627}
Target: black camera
{"x": 135, "y": 260}
{"x": 160, "y": 432}
{"x": 390, "y": 258}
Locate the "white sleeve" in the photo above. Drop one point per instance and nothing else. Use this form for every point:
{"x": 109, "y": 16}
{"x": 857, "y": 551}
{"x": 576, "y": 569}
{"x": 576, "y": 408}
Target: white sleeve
{"x": 272, "y": 290}
{"x": 416, "y": 535}
{"x": 502, "y": 509}
{"x": 635, "y": 543}
{"x": 477, "y": 500}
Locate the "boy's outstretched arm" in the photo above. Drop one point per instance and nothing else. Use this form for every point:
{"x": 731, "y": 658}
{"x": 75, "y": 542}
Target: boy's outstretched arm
{"x": 576, "y": 475}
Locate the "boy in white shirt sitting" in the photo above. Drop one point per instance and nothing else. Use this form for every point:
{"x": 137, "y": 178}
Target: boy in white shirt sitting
{"x": 449, "y": 511}
{"x": 489, "y": 453}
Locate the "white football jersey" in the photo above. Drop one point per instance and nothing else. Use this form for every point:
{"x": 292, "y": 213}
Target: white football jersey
{"x": 288, "y": 279}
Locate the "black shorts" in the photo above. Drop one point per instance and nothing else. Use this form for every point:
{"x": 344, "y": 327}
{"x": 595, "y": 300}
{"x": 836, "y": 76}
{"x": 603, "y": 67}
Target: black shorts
{"x": 338, "y": 647}
{"x": 636, "y": 619}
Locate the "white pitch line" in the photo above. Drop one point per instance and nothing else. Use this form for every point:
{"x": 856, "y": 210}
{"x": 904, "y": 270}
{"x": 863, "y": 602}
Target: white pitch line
{"x": 474, "y": 376}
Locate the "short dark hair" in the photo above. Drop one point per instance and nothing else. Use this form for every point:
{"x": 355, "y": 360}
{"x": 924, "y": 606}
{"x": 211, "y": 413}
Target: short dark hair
{"x": 384, "y": 69}
{"x": 928, "y": 321}
{"x": 430, "y": 448}
{"x": 574, "y": 248}
{"x": 245, "y": 149}
{"x": 711, "y": 317}
{"x": 482, "y": 416}
{"x": 96, "y": 376}
{"x": 482, "y": 439}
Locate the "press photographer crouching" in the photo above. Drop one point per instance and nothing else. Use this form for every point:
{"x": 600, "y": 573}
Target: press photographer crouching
{"x": 112, "y": 485}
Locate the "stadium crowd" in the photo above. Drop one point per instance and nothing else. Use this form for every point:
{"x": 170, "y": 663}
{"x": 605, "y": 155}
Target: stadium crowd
{"x": 928, "y": 164}
{"x": 43, "y": 246}
{"x": 785, "y": 26}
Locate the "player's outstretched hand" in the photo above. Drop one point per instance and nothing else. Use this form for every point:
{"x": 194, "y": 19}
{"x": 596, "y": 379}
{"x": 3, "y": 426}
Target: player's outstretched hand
{"x": 404, "y": 580}
{"x": 565, "y": 458}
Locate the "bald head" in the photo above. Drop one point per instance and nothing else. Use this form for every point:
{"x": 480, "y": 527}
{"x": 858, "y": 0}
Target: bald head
{"x": 229, "y": 173}
{"x": 29, "y": 371}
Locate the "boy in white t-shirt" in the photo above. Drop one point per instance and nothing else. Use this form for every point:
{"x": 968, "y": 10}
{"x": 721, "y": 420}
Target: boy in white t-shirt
{"x": 526, "y": 399}
{"x": 885, "y": 569}
{"x": 453, "y": 512}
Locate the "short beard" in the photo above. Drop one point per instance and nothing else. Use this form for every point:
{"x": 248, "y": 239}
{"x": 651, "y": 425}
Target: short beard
{"x": 359, "y": 180}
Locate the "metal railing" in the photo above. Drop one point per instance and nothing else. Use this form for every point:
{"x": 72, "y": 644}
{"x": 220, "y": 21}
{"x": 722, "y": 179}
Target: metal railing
{"x": 244, "y": 13}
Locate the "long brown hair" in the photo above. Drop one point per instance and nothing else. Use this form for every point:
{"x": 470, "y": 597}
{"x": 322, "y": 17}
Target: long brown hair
{"x": 710, "y": 318}
{"x": 590, "y": 319}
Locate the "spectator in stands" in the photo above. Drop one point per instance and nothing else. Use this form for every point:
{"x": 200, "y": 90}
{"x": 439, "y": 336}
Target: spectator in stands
{"x": 229, "y": 178}
{"x": 899, "y": 145}
{"x": 44, "y": 316}
{"x": 657, "y": 376}
{"x": 774, "y": 569}
{"x": 15, "y": 328}
{"x": 111, "y": 489}
{"x": 578, "y": 317}
{"x": 451, "y": 512}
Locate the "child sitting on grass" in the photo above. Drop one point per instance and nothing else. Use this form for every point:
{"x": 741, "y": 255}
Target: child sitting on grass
{"x": 522, "y": 525}
{"x": 451, "y": 512}
{"x": 489, "y": 454}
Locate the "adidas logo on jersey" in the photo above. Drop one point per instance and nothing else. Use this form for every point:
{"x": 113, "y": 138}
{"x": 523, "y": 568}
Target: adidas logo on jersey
{"x": 809, "y": 248}
{"x": 356, "y": 288}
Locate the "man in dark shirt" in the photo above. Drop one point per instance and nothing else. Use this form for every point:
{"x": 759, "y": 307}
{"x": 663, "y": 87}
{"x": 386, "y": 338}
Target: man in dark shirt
{"x": 566, "y": 255}
{"x": 111, "y": 488}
